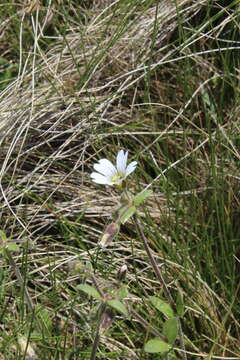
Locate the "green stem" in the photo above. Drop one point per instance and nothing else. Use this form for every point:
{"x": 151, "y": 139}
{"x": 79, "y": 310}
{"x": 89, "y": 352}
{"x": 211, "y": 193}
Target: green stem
{"x": 154, "y": 264}
{"x": 161, "y": 280}
{"x": 97, "y": 332}
{"x": 20, "y": 280}
{"x": 146, "y": 325}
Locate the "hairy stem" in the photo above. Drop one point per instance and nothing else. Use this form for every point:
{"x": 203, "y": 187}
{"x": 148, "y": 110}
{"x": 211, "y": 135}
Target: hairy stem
{"x": 20, "y": 280}
{"x": 97, "y": 332}
{"x": 160, "y": 278}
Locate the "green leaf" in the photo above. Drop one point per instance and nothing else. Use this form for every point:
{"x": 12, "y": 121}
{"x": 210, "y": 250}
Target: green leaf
{"x": 156, "y": 346}
{"x": 6, "y": 244}
{"x": 3, "y": 241}
{"x": 122, "y": 292}
{"x": 170, "y": 329}
{"x": 127, "y": 213}
{"x": 45, "y": 318}
{"x": 12, "y": 247}
{"x": 117, "y": 305}
{"x": 180, "y": 305}
{"x": 89, "y": 290}
{"x": 139, "y": 198}
{"x": 3, "y": 236}
{"x": 162, "y": 306}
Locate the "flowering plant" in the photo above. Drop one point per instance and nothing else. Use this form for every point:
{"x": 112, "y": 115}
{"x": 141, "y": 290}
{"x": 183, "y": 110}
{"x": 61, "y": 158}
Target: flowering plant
{"x": 108, "y": 174}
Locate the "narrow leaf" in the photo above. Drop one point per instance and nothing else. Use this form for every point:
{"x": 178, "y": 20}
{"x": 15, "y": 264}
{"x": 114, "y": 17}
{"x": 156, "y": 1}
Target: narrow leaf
{"x": 180, "y": 305}
{"x": 89, "y": 290}
{"x": 139, "y": 198}
{"x": 156, "y": 346}
{"x": 46, "y": 321}
{"x": 170, "y": 329}
{"x": 127, "y": 214}
{"x": 162, "y": 306}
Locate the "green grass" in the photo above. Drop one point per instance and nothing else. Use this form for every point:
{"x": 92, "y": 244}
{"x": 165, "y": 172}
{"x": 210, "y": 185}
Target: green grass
{"x": 77, "y": 84}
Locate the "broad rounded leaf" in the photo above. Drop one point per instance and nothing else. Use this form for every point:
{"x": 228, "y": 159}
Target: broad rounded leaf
{"x": 162, "y": 306}
{"x": 157, "y": 346}
{"x": 3, "y": 236}
{"x": 170, "y": 329}
{"x": 122, "y": 292}
{"x": 12, "y": 247}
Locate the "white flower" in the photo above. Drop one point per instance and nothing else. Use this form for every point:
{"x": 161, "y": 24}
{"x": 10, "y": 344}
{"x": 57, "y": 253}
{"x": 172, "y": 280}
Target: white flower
{"x": 109, "y": 174}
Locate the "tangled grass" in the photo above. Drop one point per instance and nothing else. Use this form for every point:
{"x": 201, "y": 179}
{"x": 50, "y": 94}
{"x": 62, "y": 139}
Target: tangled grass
{"x": 160, "y": 79}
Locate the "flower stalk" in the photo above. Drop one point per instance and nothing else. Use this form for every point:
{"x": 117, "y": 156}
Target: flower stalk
{"x": 108, "y": 174}
{"x": 161, "y": 280}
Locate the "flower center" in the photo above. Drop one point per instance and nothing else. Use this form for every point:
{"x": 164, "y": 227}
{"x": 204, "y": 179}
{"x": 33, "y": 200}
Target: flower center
{"x": 117, "y": 177}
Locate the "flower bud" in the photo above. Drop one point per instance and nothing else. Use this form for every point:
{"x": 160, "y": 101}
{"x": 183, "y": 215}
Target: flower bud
{"x": 106, "y": 320}
{"x": 109, "y": 234}
{"x": 122, "y": 272}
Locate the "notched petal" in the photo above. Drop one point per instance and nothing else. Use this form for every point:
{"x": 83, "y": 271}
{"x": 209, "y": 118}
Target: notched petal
{"x": 105, "y": 167}
{"x": 99, "y": 178}
{"x": 122, "y": 161}
{"x": 131, "y": 167}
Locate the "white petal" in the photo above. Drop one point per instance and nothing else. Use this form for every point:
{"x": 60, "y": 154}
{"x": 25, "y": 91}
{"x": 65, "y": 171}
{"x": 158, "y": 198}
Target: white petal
{"x": 100, "y": 179}
{"x": 105, "y": 167}
{"x": 122, "y": 161}
{"x": 131, "y": 167}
